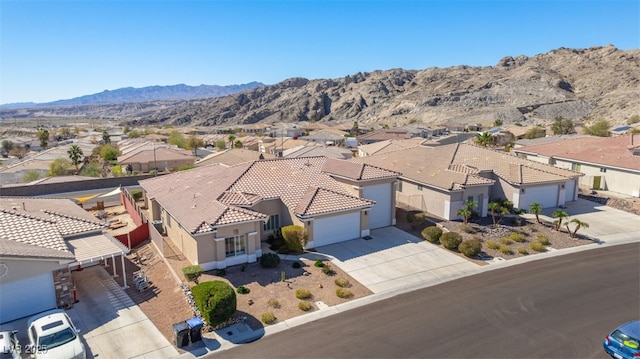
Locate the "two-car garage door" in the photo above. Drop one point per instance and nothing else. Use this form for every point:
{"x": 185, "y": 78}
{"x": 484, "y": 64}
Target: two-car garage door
{"x": 380, "y": 214}
{"x": 27, "y": 296}
{"x": 545, "y": 195}
{"x": 336, "y": 229}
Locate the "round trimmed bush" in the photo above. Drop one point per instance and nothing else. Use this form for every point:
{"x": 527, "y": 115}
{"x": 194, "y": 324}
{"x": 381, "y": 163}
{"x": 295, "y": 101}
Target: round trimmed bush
{"x": 328, "y": 270}
{"x": 216, "y": 301}
{"x": 493, "y": 244}
{"x": 268, "y": 318}
{"x": 451, "y": 240}
{"x": 506, "y": 240}
{"x": 273, "y": 303}
{"x": 305, "y": 306}
{"x": 432, "y": 234}
{"x": 303, "y": 293}
{"x": 517, "y": 237}
{"x": 296, "y": 265}
{"x": 544, "y": 240}
{"x": 344, "y": 293}
{"x": 505, "y": 249}
{"x": 537, "y": 246}
{"x": 318, "y": 263}
{"x": 243, "y": 290}
{"x": 342, "y": 282}
{"x": 523, "y": 251}
{"x": 470, "y": 247}
{"x": 269, "y": 260}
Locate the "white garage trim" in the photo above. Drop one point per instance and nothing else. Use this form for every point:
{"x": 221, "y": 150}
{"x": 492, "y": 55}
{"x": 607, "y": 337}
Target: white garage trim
{"x": 545, "y": 195}
{"x": 334, "y": 229}
{"x": 570, "y": 190}
{"x": 381, "y": 213}
{"x": 27, "y": 296}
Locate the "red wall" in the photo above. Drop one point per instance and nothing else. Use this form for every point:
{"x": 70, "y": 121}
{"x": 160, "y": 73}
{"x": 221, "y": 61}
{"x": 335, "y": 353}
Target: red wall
{"x": 136, "y": 236}
{"x": 131, "y": 209}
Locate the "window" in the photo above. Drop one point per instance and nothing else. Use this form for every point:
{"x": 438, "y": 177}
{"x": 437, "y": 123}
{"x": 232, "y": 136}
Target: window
{"x": 273, "y": 223}
{"x": 234, "y": 246}
{"x": 603, "y": 170}
{"x": 575, "y": 167}
{"x": 399, "y": 186}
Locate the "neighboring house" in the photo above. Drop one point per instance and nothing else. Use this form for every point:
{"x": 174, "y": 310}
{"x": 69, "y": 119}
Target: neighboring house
{"x": 161, "y": 158}
{"x": 327, "y": 137}
{"x": 548, "y": 139}
{"x": 383, "y": 135}
{"x": 218, "y": 215}
{"x": 280, "y": 145}
{"x": 608, "y": 163}
{"x": 40, "y": 241}
{"x": 255, "y": 128}
{"x": 232, "y": 157}
{"x": 312, "y": 150}
{"x": 440, "y": 179}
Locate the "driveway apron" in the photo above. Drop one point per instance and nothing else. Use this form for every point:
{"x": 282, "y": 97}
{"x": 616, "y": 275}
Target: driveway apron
{"x": 112, "y": 325}
{"x": 394, "y": 259}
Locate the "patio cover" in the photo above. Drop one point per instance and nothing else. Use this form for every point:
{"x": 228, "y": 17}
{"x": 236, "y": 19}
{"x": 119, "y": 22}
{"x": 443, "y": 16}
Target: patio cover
{"x": 96, "y": 248}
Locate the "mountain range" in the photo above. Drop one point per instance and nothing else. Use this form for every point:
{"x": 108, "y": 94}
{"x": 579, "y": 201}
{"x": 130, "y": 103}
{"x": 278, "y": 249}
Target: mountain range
{"x": 591, "y": 83}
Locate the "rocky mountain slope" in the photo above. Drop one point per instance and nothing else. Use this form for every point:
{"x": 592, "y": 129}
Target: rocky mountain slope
{"x": 598, "y": 82}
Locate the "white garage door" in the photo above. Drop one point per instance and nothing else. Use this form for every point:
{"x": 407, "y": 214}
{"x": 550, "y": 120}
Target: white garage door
{"x": 26, "y": 297}
{"x": 570, "y": 188}
{"x": 380, "y": 214}
{"x": 336, "y": 229}
{"x": 545, "y": 195}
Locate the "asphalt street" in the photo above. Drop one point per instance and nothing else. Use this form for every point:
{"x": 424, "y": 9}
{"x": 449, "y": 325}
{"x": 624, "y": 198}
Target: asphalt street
{"x": 561, "y": 307}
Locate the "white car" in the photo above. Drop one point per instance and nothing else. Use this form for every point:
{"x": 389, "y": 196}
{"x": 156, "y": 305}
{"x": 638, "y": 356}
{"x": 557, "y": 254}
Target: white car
{"x": 53, "y": 335}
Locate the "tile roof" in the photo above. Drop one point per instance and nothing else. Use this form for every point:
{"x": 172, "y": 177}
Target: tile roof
{"x": 205, "y": 197}
{"x": 160, "y": 154}
{"x": 312, "y": 150}
{"x": 232, "y": 157}
{"x": 606, "y": 151}
{"x": 11, "y": 248}
{"x": 385, "y": 134}
{"x": 359, "y": 171}
{"x": 33, "y": 230}
{"x": 390, "y": 145}
{"x": 452, "y": 167}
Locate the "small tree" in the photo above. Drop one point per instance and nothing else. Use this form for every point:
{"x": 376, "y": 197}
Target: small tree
{"x": 466, "y": 211}
{"x": 192, "y": 273}
{"x": 106, "y": 137}
{"x": 562, "y": 126}
{"x": 59, "y": 167}
{"x": 484, "y": 139}
{"x": 231, "y": 140}
{"x": 216, "y": 301}
{"x": 600, "y": 128}
{"x": 497, "y": 122}
{"x": 177, "y": 139}
{"x": 7, "y": 146}
{"x": 75, "y": 154}
{"x": 536, "y": 208}
{"x": 221, "y": 145}
{"x": 535, "y": 132}
{"x": 109, "y": 152}
{"x": 43, "y": 136}
{"x": 295, "y": 237}
{"x": 237, "y": 144}
{"x": 579, "y": 224}
{"x": 494, "y": 207}
{"x": 30, "y": 176}
{"x": 91, "y": 169}
{"x": 193, "y": 143}
{"x": 560, "y": 215}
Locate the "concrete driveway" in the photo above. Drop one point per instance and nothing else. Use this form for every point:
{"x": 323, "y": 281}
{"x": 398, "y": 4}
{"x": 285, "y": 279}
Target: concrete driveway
{"x": 394, "y": 259}
{"x": 605, "y": 223}
{"x": 112, "y": 325}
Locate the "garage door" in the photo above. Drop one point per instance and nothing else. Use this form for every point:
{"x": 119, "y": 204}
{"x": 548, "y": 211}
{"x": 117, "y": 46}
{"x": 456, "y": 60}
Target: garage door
{"x": 545, "y": 195}
{"x": 336, "y": 229}
{"x": 380, "y": 214}
{"x": 26, "y": 297}
{"x": 570, "y": 188}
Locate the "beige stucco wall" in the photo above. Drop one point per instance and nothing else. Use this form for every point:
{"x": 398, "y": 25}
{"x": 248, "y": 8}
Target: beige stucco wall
{"x": 614, "y": 180}
{"x": 18, "y": 269}
{"x": 180, "y": 237}
{"x": 428, "y": 199}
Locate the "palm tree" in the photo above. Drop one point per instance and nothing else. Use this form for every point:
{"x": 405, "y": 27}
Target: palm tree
{"x": 494, "y": 207}
{"x": 105, "y": 137}
{"x": 579, "y": 224}
{"x": 231, "y": 139}
{"x": 465, "y": 213}
{"x": 560, "y": 215}
{"x": 484, "y": 139}
{"x": 75, "y": 153}
{"x": 536, "y": 208}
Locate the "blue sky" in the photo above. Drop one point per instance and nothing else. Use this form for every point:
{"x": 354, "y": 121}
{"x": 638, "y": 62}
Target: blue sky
{"x": 51, "y": 50}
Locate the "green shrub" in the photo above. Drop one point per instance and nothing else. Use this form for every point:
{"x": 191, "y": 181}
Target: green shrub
{"x": 216, "y": 301}
{"x": 506, "y": 241}
{"x": 296, "y": 265}
{"x": 303, "y": 293}
{"x": 268, "y": 318}
{"x": 243, "y": 290}
{"x": 136, "y": 194}
{"x": 470, "y": 247}
{"x": 432, "y": 234}
{"x": 305, "y": 306}
{"x": 537, "y": 246}
{"x": 295, "y": 237}
{"x": 542, "y": 239}
{"x": 344, "y": 293}
{"x": 192, "y": 273}
{"x": 269, "y": 260}
{"x": 517, "y": 237}
{"x": 523, "y": 251}
{"x": 328, "y": 270}
{"x": 318, "y": 263}
{"x": 493, "y": 245}
{"x": 505, "y": 249}
{"x": 451, "y": 240}
{"x": 342, "y": 282}
{"x": 273, "y": 303}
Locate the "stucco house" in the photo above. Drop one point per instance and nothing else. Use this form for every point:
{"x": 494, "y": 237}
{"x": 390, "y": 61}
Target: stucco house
{"x": 218, "y": 215}
{"x": 440, "y": 179}
{"x": 608, "y": 163}
{"x": 41, "y": 239}
{"x": 160, "y": 158}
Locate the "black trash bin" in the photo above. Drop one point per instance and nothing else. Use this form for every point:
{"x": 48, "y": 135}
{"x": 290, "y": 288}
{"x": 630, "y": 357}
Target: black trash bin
{"x": 181, "y": 334}
{"x": 195, "y": 329}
